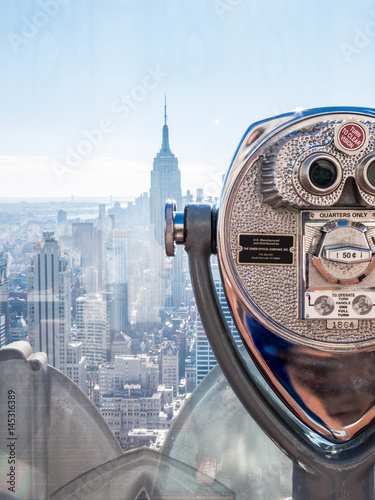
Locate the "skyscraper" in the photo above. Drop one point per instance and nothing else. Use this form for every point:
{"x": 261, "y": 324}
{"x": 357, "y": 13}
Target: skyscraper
{"x": 48, "y": 300}
{"x": 76, "y": 364}
{"x": 84, "y": 241}
{"x": 117, "y": 280}
{"x": 62, "y": 217}
{"x": 4, "y": 326}
{"x": 165, "y": 184}
{"x": 169, "y": 366}
{"x": 100, "y": 250}
{"x": 205, "y": 359}
{"x": 91, "y": 321}
{"x": 18, "y": 329}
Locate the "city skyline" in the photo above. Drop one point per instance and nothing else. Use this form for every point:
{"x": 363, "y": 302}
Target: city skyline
{"x": 95, "y": 269}
{"x": 89, "y": 285}
{"x": 109, "y": 107}
{"x": 67, "y": 293}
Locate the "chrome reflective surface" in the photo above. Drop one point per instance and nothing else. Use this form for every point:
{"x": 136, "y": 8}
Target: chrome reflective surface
{"x": 170, "y": 247}
{"x": 179, "y": 227}
{"x": 322, "y": 367}
{"x": 236, "y": 445}
{"x": 173, "y": 229}
{"x": 332, "y": 392}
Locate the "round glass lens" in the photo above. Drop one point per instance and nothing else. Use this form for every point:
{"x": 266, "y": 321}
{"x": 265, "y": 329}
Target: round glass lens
{"x": 323, "y": 173}
{"x": 371, "y": 173}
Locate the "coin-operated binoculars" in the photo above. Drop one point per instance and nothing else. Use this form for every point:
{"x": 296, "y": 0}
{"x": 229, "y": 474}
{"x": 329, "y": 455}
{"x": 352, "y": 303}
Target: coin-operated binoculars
{"x": 295, "y": 238}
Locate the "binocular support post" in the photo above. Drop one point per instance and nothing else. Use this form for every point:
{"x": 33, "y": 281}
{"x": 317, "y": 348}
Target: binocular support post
{"x": 322, "y": 470}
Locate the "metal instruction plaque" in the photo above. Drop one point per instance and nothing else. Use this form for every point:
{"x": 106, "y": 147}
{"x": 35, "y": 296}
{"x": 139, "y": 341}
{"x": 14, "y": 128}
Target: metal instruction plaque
{"x": 273, "y": 249}
{"x": 340, "y": 304}
{"x": 338, "y": 262}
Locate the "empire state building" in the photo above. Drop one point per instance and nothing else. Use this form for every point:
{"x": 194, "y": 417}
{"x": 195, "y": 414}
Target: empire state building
{"x": 165, "y": 184}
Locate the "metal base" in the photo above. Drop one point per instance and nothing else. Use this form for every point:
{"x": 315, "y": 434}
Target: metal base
{"x": 333, "y": 484}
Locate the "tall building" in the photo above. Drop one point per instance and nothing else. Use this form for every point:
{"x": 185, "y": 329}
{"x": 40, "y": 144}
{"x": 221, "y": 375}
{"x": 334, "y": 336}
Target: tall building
{"x": 190, "y": 375}
{"x": 100, "y": 251}
{"x": 84, "y": 236}
{"x": 91, "y": 321}
{"x": 18, "y": 329}
{"x": 205, "y": 359}
{"x": 62, "y": 218}
{"x": 169, "y": 366}
{"x": 83, "y": 240}
{"x": 102, "y": 212}
{"x": 121, "y": 345}
{"x": 117, "y": 280}
{"x": 76, "y": 364}
{"x": 4, "y": 317}
{"x": 48, "y": 300}
{"x": 166, "y": 276}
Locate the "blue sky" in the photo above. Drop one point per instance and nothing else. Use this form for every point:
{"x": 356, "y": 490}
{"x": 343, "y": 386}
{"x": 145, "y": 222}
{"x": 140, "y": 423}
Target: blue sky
{"x": 83, "y": 84}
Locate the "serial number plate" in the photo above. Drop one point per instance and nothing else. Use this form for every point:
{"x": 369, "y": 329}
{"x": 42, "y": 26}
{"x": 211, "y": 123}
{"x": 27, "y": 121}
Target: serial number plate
{"x": 342, "y": 325}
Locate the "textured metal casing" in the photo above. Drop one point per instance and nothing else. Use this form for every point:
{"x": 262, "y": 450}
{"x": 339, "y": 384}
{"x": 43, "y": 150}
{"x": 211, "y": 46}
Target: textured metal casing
{"x": 271, "y": 293}
{"x": 319, "y": 367}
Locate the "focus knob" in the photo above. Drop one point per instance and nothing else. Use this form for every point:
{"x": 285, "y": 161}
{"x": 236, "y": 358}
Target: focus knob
{"x": 174, "y": 228}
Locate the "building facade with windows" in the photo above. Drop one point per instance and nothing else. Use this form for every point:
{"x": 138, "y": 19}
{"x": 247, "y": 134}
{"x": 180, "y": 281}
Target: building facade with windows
{"x": 117, "y": 281}
{"x": 169, "y": 367}
{"x": 205, "y": 358}
{"x": 91, "y": 319}
{"x": 76, "y": 364}
{"x": 48, "y": 300}
{"x": 167, "y": 277}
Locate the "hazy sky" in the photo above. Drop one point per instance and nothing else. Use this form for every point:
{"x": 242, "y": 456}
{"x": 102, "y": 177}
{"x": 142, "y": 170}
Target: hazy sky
{"x": 83, "y": 84}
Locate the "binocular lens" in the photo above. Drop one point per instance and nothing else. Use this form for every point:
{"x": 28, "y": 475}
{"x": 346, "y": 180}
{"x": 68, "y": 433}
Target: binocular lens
{"x": 365, "y": 174}
{"x": 323, "y": 173}
{"x": 320, "y": 174}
